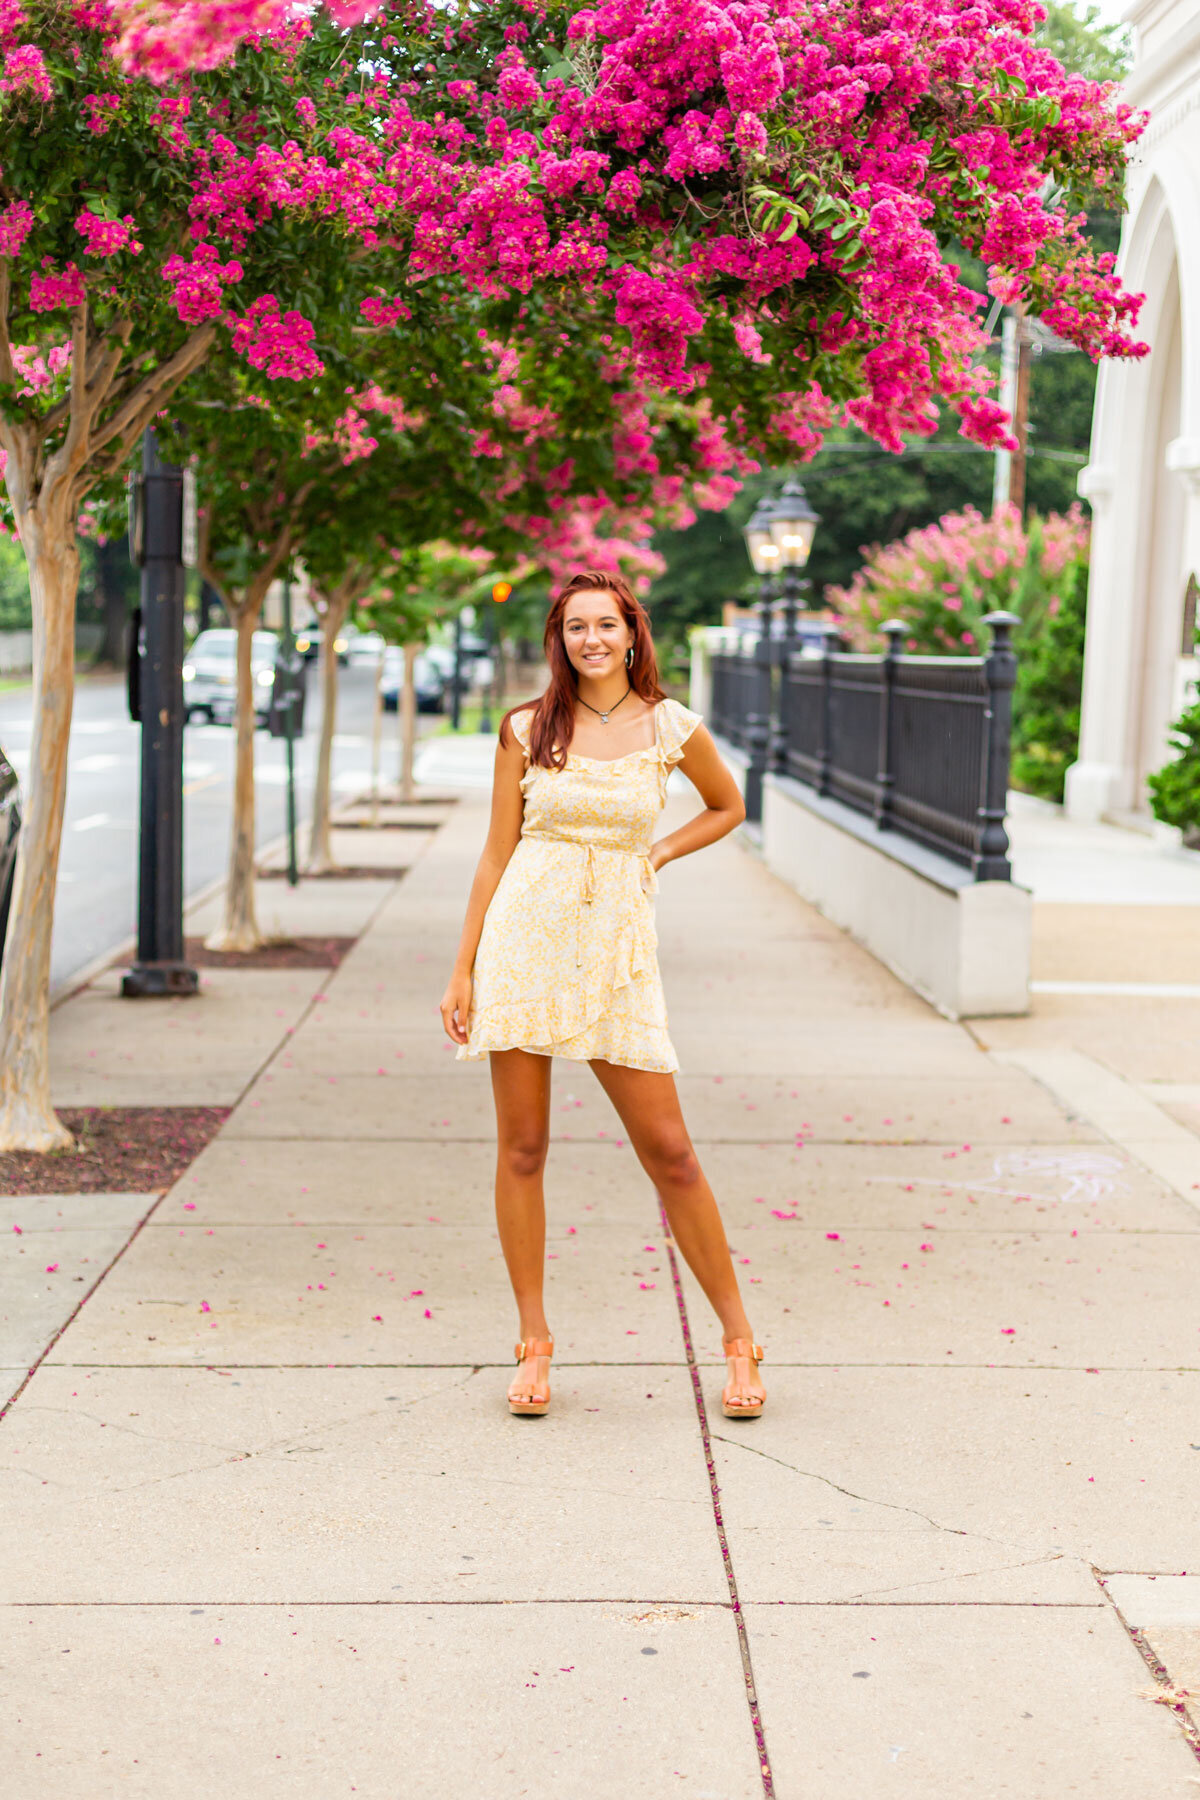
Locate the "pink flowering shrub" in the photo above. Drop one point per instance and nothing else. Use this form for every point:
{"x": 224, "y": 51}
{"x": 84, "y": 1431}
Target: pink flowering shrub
{"x": 941, "y": 579}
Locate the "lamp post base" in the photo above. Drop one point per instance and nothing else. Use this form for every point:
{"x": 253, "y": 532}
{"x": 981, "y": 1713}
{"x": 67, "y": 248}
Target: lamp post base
{"x": 159, "y": 980}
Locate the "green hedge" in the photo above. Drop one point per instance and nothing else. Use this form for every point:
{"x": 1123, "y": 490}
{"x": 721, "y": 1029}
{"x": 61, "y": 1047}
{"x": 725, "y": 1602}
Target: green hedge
{"x": 1175, "y": 789}
{"x": 1049, "y": 689}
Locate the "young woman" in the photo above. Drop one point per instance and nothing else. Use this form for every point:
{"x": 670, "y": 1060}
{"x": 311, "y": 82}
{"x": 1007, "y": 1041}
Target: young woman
{"x": 558, "y": 955}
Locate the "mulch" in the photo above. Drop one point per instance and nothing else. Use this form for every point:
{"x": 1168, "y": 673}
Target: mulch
{"x": 351, "y": 872}
{"x": 288, "y": 953}
{"x": 118, "y": 1150}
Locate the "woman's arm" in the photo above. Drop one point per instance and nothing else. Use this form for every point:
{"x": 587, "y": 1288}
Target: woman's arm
{"x": 508, "y": 808}
{"x": 724, "y": 806}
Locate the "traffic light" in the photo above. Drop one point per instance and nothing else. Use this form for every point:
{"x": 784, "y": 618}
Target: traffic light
{"x": 501, "y": 590}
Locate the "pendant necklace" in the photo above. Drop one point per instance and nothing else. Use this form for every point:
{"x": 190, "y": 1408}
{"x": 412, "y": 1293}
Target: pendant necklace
{"x": 603, "y": 716}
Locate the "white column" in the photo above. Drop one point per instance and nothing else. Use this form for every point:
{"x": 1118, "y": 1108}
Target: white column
{"x": 1096, "y": 783}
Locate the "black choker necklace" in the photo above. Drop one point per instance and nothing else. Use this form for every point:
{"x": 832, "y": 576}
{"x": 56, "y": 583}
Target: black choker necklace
{"x": 603, "y": 716}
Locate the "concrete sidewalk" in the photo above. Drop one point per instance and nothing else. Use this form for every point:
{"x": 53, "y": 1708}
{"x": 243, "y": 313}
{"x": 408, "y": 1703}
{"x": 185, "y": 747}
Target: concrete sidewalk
{"x": 949, "y": 1560}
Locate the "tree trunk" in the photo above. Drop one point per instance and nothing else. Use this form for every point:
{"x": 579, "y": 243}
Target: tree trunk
{"x": 321, "y": 859}
{"x": 240, "y": 929}
{"x": 27, "y": 1120}
{"x": 408, "y": 722}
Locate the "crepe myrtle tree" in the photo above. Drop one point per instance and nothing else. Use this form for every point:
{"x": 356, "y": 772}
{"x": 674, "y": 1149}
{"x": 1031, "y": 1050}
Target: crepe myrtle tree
{"x": 142, "y": 231}
{"x": 771, "y": 179}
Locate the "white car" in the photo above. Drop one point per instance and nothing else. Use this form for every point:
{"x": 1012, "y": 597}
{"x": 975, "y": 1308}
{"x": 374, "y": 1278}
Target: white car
{"x": 210, "y": 675}
{"x": 363, "y": 646}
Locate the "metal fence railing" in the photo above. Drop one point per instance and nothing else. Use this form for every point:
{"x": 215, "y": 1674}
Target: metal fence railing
{"x": 919, "y": 744}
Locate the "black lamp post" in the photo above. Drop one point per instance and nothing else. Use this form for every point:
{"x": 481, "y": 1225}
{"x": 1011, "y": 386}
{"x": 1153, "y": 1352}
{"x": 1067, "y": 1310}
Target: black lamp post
{"x": 162, "y": 521}
{"x": 793, "y": 526}
{"x": 764, "y": 557}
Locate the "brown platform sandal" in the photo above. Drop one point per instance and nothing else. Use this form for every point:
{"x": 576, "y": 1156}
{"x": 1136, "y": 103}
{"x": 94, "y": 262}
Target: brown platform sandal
{"x": 543, "y": 1350}
{"x": 741, "y": 1350}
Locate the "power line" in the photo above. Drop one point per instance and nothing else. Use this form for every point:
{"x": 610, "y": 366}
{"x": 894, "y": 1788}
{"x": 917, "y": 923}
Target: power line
{"x": 871, "y": 455}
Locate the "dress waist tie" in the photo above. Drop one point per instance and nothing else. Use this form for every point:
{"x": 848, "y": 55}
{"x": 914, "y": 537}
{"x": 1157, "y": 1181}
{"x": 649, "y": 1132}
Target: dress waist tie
{"x": 587, "y": 888}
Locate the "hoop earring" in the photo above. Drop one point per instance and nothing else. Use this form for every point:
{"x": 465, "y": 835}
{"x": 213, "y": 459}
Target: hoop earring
{"x": 629, "y": 657}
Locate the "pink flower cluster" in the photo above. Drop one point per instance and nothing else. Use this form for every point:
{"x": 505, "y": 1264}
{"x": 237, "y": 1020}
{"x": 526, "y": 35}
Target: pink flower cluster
{"x": 104, "y": 237}
{"x": 37, "y": 371}
{"x": 280, "y": 344}
{"x": 97, "y": 109}
{"x": 384, "y": 312}
{"x": 173, "y": 37}
{"x": 51, "y": 290}
{"x": 25, "y": 72}
{"x": 16, "y": 222}
{"x": 197, "y": 286}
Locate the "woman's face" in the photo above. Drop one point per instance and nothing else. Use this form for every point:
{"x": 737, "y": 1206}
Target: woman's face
{"x": 595, "y": 634}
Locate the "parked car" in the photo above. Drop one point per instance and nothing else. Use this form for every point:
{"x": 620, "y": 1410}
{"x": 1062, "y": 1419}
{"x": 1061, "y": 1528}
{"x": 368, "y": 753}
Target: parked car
{"x": 428, "y": 684}
{"x": 310, "y": 639}
{"x": 363, "y": 646}
{"x": 475, "y": 661}
{"x": 10, "y": 827}
{"x": 210, "y": 675}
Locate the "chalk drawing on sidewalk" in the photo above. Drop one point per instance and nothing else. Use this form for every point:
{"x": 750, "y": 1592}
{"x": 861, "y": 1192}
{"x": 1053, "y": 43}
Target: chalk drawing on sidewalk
{"x": 1074, "y": 1175}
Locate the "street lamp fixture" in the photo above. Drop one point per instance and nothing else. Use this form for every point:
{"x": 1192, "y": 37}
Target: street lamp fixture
{"x": 793, "y": 524}
{"x": 760, "y": 544}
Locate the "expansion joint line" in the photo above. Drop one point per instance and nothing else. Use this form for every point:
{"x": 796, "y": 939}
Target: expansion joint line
{"x": 756, "y": 1725}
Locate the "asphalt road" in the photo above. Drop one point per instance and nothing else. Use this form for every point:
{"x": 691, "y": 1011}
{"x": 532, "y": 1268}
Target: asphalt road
{"x": 96, "y": 907}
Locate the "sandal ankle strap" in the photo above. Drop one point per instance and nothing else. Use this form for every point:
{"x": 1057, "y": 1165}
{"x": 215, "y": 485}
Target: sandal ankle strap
{"x": 743, "y": 1347}
{"x": 533, "y": 1347}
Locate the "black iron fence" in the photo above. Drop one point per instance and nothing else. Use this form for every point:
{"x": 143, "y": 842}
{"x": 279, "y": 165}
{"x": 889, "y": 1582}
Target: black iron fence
{"x": 919, "y": 744}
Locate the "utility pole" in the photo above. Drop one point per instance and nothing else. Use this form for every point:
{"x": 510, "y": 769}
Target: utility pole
{"x": 160, "y": 524}
{"x": 1016, "y": 362}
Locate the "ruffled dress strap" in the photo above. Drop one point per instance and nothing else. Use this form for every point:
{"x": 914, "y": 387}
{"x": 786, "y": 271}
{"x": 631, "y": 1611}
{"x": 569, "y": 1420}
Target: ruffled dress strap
{"x": 522, "y": 726}
{"x": 676, "y": 724}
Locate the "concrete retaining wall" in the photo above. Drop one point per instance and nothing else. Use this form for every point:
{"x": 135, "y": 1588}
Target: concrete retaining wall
{"x": 963, "y": 945}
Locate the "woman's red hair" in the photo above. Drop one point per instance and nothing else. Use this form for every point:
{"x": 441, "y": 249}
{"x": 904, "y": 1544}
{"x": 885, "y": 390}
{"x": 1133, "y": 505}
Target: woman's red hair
{"x": 554, "y": 715}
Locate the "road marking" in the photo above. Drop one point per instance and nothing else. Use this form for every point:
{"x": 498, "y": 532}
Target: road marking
{"x": 100, "y": 727}
{"x": 92, "y": 822}
{"x": 205, "y": 781}
{"x": 1127, "y": 990}
{"x": 196, "y": 771}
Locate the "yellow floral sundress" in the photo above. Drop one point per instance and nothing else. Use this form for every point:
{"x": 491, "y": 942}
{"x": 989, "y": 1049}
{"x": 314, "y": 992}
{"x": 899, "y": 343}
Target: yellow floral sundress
{"x": 567, "y": 963}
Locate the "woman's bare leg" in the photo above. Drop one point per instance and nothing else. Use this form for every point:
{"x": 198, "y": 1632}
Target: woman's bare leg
{"x": 648, "y": 1107}
{"x": 521, "y": 1090}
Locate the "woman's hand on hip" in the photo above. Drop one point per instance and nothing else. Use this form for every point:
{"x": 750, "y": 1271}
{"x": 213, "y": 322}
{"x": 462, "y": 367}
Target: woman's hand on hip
{"x": 456, "y": 1007}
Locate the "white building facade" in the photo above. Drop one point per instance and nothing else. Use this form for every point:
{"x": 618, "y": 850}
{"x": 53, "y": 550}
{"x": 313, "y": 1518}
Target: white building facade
{"x": 1143, "y": 479}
